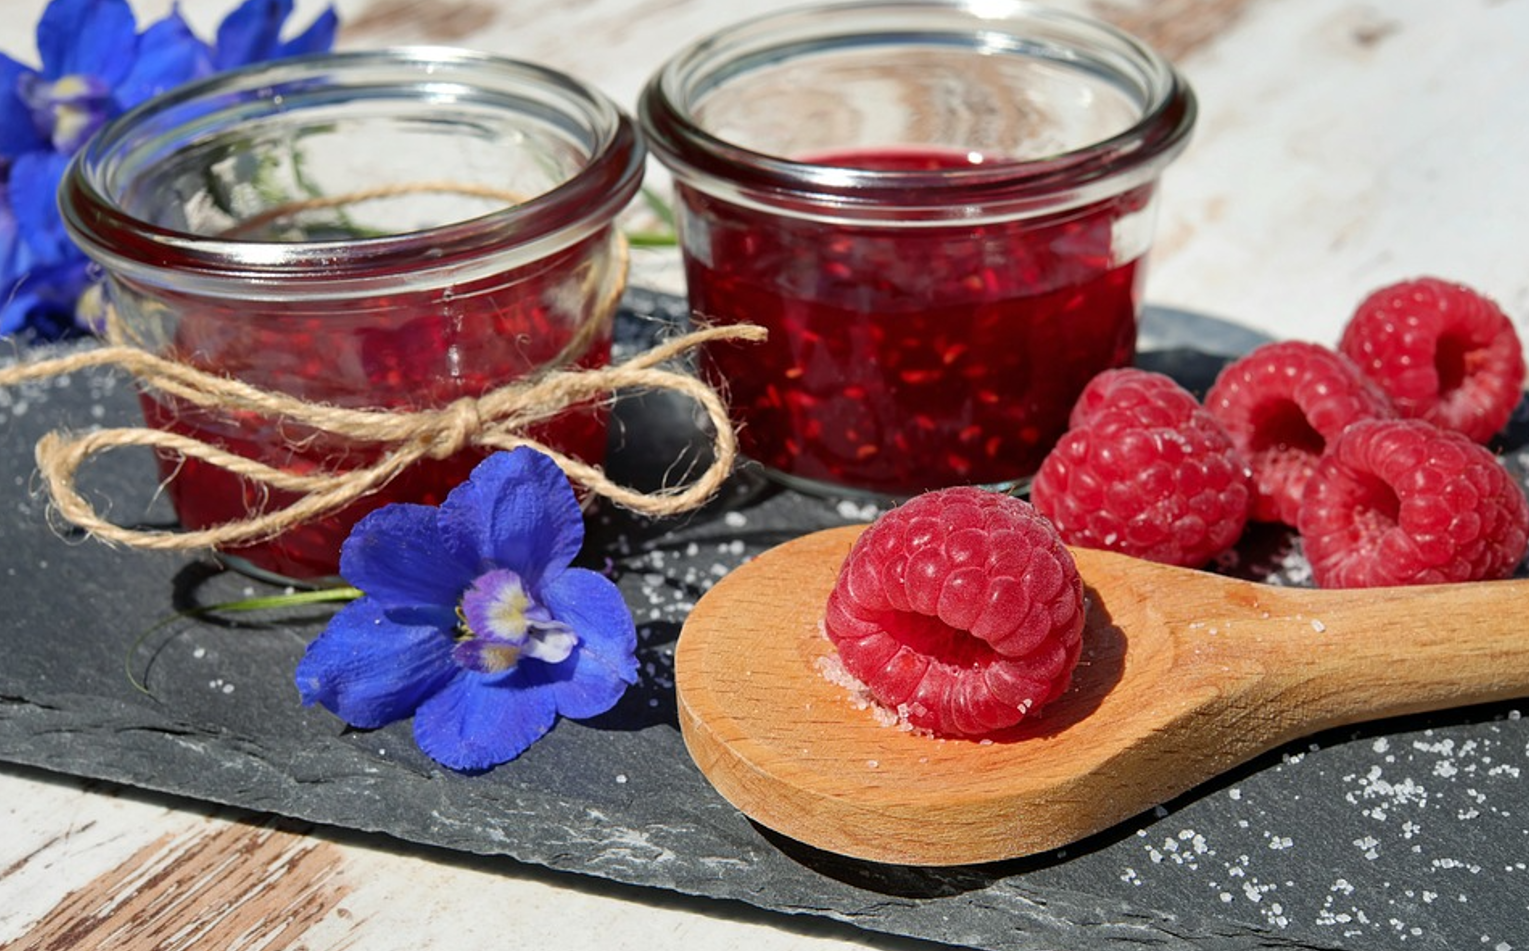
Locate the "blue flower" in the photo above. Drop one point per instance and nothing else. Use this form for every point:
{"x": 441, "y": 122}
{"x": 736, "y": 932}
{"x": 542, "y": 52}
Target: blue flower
{"x": 472, "y": 620}
{"x": 96, "y": 65}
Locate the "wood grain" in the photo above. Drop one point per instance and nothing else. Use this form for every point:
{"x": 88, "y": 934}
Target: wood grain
{"x": 228, "y": 885}
{"x": 1184, "y": 675}
{"x": 421, "y": 21}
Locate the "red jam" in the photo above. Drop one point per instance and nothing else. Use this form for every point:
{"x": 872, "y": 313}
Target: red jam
{"x": 406, "y": 351}
{"x": 905, "y": 359}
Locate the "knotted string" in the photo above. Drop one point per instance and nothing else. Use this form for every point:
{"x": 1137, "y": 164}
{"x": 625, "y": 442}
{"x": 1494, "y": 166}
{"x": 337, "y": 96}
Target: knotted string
{"x": 495, "y": 420}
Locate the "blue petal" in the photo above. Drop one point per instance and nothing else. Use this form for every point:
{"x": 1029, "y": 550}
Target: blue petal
{"x": 33, "y": 191}
{"x": 369, "y": 670}
{"x": 473, "y": 723}
{"x": 15, "y": 256}
{"x": 251, "y": 33}
{"x": 17, "y": 308}
{"x": 18, "y": 133}
{"x": 89, "y": 37}
{"x": 517, "y": 511}
{"x": 606, "y": 661}
{"x": 318, "y": 38}
{"x": 169, "y": 54}
{"x": 398, "y": 556}
{"x": 42, "y": 301}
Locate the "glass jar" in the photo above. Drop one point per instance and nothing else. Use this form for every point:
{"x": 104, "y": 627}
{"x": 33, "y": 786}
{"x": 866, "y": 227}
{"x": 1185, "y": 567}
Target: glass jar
{"x": 939, "y": 210}
{"x": 393, "y": 229}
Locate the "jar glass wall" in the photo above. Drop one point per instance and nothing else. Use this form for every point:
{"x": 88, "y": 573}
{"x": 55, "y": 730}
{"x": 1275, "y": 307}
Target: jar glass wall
{"x": 393, "y": 229}
{"x": 940, "y": 211}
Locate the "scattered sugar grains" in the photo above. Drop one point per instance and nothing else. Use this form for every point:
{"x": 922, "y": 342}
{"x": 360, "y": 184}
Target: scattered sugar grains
{"x": 1407, "y": 806}
{"x": 851, "y": 511}
{"x": 831, "y": 669}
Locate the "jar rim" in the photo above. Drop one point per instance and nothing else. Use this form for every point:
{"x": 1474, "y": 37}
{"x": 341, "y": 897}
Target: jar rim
{"x": 675, "y": 136}
{"x": 565, "y": 213}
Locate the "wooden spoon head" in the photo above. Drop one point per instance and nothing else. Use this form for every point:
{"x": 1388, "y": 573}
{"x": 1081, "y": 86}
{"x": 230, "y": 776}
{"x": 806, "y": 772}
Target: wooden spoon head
{"x": 795, "y": 751}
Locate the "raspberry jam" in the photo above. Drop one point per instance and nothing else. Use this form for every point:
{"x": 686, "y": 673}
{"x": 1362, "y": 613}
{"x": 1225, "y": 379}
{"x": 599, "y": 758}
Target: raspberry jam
{"x": 900, "y": 361}
{"x": 404, "y": 351}
{"x": 339, "y": 229}
{"x": 939, "y": 211}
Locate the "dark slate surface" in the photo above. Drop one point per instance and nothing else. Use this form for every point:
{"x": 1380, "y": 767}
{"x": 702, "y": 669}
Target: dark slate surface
{"x": 1408, "y": 834}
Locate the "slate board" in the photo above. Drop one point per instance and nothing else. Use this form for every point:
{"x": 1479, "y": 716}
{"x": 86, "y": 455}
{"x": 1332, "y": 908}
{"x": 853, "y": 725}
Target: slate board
{"x": 1404, "y": 834}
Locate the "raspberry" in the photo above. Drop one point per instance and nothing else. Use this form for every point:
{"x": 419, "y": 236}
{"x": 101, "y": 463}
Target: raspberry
{"x": 1146, "y": 471}
{"x": 960, "y": 609}
{"x": 1407, "y": 502}
{"x": 1443, "y": 352}
{"x": 1281, "y": 404}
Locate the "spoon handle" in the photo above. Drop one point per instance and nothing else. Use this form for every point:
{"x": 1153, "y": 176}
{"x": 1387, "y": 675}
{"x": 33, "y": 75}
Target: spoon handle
{"x": 1340, "y": 657}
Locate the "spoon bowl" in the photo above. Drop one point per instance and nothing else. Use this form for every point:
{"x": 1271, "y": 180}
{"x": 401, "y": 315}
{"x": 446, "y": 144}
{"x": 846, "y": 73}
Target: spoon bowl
{"x": 1184, "y": 675}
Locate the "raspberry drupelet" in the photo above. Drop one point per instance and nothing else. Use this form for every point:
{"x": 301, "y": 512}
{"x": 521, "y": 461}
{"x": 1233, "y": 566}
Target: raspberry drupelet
{"x": 961, "y": 610}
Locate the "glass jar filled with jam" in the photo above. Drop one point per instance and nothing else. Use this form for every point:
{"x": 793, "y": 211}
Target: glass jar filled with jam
{"x": 394, "y": 230}
{"x": 941, "y": 212}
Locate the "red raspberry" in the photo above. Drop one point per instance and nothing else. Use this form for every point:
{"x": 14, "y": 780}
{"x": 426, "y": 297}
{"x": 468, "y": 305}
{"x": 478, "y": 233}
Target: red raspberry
{"x": 1281, "y": 404}
{"x": 1443, "y": 352}
{"x": 1145, "y": 398}
{"x": 1407, "y": 502}
{"x": 1146, "y": 471}
{"x": 961, "y": 610}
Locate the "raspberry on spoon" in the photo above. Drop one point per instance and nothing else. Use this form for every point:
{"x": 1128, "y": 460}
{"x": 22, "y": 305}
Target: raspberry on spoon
{"x": 1281, "y": 404}
{"x": 1406, "y": 502}
{"x": 1442, "y": 352}
{"x": 961, "y": 610}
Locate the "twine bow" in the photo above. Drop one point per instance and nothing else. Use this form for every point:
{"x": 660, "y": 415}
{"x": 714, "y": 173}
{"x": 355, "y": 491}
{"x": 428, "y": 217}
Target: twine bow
{"x": 495, "y": 420}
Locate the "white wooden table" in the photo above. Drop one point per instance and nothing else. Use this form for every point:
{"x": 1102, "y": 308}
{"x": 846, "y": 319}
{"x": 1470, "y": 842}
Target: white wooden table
{"x": 1342, "y": 145}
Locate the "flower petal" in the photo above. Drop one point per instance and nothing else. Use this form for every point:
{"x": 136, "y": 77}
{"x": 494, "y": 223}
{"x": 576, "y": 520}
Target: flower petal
{"x": 169, "y": 54}
{"x": 250, "y": 33}
{"x": 18, "y": 133}
{"x": 606, "y": 660}
{"x": 87, "y": 37}
{"x": 15, "y": 257}
{"x": 33, "y": 190}
{"x": 474, "y": 723}
{"x": 397, "y": 555}
{"x": 18, "y": 309}
{"x": 318, "y": 38}
{"x": 41, "y": 301}
{"x": 519, "y": 512}
{"x": 369, "y": 670}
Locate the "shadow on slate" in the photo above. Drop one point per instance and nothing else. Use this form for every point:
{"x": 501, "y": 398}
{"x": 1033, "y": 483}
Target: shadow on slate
{"x": 1406, "y": 834}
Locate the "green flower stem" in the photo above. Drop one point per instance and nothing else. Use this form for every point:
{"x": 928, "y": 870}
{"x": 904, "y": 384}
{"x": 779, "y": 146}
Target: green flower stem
{"x": 651, "y": 239}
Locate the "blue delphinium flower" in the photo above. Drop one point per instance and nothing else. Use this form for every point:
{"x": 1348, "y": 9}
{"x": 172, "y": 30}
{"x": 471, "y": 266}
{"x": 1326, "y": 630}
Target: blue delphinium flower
{"x": 96, "y": 65}
{"x": 472, "y": 620}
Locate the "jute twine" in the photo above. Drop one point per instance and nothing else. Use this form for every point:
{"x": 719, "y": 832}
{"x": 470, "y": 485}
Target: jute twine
{"x": 497, "y": 419}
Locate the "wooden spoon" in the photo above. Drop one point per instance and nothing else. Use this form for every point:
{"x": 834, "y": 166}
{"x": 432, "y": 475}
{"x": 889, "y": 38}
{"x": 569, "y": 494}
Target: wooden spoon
{"x": 1184, "y": 675}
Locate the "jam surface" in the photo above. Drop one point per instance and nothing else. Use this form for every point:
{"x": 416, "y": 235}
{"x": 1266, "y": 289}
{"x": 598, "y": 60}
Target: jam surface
{"x": 408, "y": 351}
{"x": 906, "y": 359}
